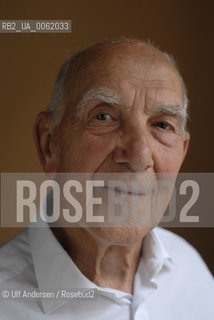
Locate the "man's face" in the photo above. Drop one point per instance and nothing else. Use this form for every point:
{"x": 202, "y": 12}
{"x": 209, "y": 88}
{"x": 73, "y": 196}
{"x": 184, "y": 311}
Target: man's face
{"x": 139, "y": 130}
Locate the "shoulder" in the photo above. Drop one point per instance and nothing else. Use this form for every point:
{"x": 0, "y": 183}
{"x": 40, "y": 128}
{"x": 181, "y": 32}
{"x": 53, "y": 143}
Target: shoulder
{"x": 185, "y": 256}
{"x": 186, "y": 282}
{"x": 15, "y": 256}
{"x": 177, "y": 246}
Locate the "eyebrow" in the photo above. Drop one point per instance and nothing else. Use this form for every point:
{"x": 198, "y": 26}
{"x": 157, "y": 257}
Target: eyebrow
{"x": 109, "y": 96}
{"x": 103, "y": 94}
{"x": 175, "y": 109}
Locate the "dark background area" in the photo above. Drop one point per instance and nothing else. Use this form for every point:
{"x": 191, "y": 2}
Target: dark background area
{"x": 29, "y": 64}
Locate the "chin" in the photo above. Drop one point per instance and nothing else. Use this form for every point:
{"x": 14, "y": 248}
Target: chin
{"x": 120, "y": 236}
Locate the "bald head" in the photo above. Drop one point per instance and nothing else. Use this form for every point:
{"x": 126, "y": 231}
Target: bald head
{"x": 99, "y": 60}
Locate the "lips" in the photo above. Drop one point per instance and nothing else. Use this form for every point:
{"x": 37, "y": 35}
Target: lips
{"x": 134, "y": 184}
{"x": 128, "y": 192}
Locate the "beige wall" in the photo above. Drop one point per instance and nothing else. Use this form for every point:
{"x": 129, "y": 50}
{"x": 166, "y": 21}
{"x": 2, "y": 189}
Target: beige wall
{"x": 30, "y": 62}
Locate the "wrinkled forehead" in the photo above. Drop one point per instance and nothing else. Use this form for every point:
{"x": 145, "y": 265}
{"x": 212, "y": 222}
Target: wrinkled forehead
{"x": 113, "y": 67}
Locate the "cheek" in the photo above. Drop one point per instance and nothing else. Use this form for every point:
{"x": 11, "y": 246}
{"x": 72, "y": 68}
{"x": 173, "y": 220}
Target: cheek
{"x": 86, "y": 152}
{"x": 168, "y": 159}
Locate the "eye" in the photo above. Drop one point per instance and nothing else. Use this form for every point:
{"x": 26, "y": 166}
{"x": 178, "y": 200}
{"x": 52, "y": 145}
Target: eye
{"x": 163, "y": 125}
{"x": 103, "y": 116}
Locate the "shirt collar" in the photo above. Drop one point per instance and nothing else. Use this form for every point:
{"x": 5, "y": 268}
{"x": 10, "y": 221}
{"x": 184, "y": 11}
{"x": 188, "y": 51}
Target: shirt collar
{"x": 55, "y": 269}
{"x": 155, "y": 256}
{"x": 155, "y": 261}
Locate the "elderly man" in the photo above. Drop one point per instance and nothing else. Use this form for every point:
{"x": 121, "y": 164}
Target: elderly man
{"x": 117, "y": 107}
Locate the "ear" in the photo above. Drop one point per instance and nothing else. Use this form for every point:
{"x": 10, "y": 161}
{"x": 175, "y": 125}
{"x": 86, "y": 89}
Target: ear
{"x": 43, "y": 137}
{"x": 186, "y": 143}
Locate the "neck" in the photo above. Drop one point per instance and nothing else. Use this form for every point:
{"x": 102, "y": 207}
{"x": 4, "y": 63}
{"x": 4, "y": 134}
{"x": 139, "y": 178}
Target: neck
{"x": 105, "y": 264}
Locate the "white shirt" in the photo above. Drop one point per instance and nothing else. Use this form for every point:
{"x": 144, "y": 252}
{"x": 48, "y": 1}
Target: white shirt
{"x": 172, "y": 282}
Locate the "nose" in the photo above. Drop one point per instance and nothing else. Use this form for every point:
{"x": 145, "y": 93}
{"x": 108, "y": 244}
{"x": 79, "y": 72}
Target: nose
{"x": 134, "y": 148}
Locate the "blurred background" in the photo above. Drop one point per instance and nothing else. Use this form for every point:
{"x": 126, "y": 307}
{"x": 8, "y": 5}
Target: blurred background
{"x": 29, "y": 64}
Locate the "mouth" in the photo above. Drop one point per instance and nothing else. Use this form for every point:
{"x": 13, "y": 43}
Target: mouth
{"x": 126, "y": 192}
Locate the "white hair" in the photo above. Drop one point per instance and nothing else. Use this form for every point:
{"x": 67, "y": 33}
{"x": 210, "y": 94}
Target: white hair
{"x": 171, "y": 59}
{"x": 57, "y": 103}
